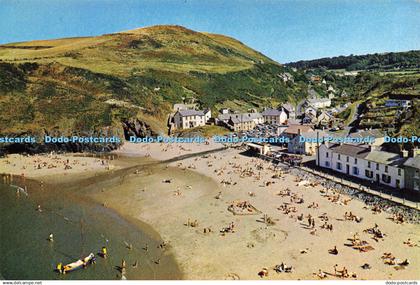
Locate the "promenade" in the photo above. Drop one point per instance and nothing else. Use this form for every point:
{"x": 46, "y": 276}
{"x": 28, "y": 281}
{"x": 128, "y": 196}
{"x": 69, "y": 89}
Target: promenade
{"x": 376, "y": 190}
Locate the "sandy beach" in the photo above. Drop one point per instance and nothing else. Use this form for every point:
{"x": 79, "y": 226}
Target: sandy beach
{"x": 187, "y": 203}
{"x": 53, "y": 165}
{"x": 254, "y": 245}
{"x": 161, "y": 151}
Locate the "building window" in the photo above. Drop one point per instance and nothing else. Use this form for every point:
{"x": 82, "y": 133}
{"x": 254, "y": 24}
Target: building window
{"x": 399, "y": 171}
{"x": 368, "y": 164}
{"x": 368, "y": 173}
{"x": 386, "y": 178}
{"x": 338, "y": 165}
{"x": 355, "y": 160}
{"x": 347, "y": 159}
{"x": 386, "y": 168}
{"x": 377, "y": 166}
{"x": 339, "y": 157}
{"x": 355, "y": 170}
{"x": 327, "y": 164}
{"x": 326, "y": 154}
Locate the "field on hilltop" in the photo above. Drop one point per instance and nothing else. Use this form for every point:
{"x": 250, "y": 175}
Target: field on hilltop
{"x": 91, "y": 84}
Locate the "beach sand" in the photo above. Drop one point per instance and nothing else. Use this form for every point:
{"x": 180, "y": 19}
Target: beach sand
{"x": 161, "y": 151}
{"x": 254, "y": 245}
{"x": 36, "y": 166}
{"x": 146, "y": 195}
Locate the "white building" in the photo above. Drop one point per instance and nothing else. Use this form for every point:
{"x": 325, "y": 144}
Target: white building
{"x": 263, "y": 149}
{"x": 318, "y": 103}
{"x": 363, "y": 162}
{"x": 244, "y": 121}
{"x": 240, "y": 121}
{"x": 186, "y": 119}
{"x": 274, "y": 116}
{"x": 311, "y": 110}
{"x": 290, "y": 110}
{"x": 305, "y": 143}
{"x": 286, "y": 77}
{"x": 325, "y": 118}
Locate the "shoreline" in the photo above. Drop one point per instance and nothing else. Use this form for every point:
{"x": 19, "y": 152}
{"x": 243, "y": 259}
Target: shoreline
{"x": 196, "y": 181}
{"x": 67, "y": 182}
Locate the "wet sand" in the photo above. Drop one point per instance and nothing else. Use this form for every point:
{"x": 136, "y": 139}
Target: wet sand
{"x": 80, "y": 226}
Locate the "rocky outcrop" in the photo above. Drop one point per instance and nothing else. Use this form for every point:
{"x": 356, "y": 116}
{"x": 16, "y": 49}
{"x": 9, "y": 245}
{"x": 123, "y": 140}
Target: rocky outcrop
{"x": 137, "y": 128}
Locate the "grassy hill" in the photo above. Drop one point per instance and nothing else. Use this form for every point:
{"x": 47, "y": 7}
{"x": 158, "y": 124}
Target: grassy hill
{"x": 92, "y": 84}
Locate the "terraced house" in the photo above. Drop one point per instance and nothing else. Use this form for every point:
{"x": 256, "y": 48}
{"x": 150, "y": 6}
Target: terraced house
{"x": 412, "y": 172}
{"x": 245, "y": 121}
{"x": 364, "y": 162}
{"x": 274, "y": 116}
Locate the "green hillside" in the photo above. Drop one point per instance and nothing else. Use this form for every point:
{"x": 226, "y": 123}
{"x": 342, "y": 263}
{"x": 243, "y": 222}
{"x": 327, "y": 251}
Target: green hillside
{"x": 102, "y": 83}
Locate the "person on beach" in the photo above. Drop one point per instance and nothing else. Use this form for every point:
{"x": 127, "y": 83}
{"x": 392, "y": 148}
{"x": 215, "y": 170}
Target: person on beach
{"x": 123, "y": 265}
{"x": 104, "y": 252}
{"x": 321, "y": 274}
{"x": 333, "y": 251}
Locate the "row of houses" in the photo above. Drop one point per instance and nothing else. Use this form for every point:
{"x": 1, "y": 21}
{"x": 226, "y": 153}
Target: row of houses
{"x": 368, "y": 162}
{"x": 185, "y": 118}
{"x": 308, "y": 145}
{"x": 248, "y": 121}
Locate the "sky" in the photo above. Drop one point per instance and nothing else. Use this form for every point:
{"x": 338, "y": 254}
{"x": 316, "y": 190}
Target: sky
{"x": 284, "y": 30}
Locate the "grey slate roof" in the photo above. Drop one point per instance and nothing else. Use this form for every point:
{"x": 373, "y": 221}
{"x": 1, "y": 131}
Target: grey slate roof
{"x": 271, "y": 112}
{"x": 413, "y": 162}
{"x": 383, "y": 157}
{"x": 244, "y": 117}
{"x": 185, "y": 113}
{"x": 369, "y": 133}
{"x": 359, "y": 151}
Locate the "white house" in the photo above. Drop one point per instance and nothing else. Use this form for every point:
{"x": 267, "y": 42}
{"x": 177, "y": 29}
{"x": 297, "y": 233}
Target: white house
{"x": 319, "y": 102}
{"x": 363, "y": 162}
{"x": 305, "y": 143}
{"x": 274, "y": 116}
{"x": 325, "y": 118}
{"x": 240, "y": 121}
{"x": 186, "y": 119}
{"x": 412, "y": 172}
{"x": 286, "y": 77}
{"x": 290, "y": 110}
{"x": 311, "y": 110}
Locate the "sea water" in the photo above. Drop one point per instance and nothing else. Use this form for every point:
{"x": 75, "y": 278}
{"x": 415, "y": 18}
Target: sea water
{"x": 80, "y": 227}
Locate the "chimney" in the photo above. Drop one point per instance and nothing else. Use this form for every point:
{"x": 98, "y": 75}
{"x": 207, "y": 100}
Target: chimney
{"x": 404, "y": 153}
